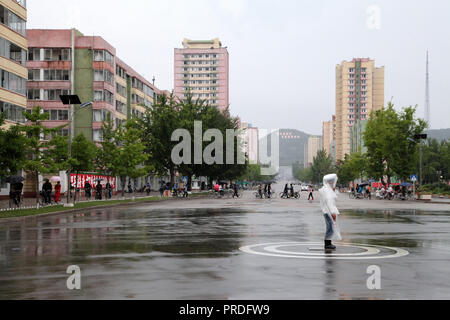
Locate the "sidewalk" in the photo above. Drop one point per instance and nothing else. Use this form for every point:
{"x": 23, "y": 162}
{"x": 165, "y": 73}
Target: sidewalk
{"x": 31, "y": 202}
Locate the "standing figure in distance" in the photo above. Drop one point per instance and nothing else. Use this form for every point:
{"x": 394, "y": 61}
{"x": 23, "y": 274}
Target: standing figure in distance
{"x": 57, "y": 192}
{"x": 87, "y": 190}
{"x": 311, "y": 195}
{"x": 328, "y": 205}
{"x": 99, "y": 189}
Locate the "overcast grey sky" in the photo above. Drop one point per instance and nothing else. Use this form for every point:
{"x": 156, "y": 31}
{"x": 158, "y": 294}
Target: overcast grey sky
{"x": 282, "y": 53}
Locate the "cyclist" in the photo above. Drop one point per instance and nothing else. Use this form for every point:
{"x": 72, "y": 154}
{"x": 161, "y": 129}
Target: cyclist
{"x": 286, "y": 190}
{"x": 292, "y": 191}
{"x": 260, "y": 191}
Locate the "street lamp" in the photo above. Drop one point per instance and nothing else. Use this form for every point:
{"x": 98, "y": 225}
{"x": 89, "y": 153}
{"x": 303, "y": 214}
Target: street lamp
{"x": 71, "y": 100}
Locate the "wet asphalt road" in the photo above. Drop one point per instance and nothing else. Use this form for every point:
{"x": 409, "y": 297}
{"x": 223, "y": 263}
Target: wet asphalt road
{"x": 191, "y": 250}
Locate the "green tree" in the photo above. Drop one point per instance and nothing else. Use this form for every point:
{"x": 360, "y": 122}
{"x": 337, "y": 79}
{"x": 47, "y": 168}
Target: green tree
{"x": 130, "y": 157}
{"x": 83, "y": 155}
{"x": 189, "y": 111}
{"x": 353, "y": 167}
{"x": 322, "y": 165}
{"x": 41, "y": 158}
{"x": 156, "y": 128}
{"x": 12, "y": 149}
{"x": 389, "y": 152}
{"x": 436, "y": 161}
{"x": 104, "y": 157}
{"x": 214, "y": 119}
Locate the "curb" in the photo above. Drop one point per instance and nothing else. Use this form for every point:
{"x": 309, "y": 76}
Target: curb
{"x": 106, "y": 206}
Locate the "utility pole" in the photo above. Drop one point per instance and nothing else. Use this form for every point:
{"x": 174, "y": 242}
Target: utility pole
{"x": 427, "y": 96}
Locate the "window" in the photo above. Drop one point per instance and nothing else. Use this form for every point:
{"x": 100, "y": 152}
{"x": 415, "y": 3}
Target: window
{"x": 33, "y": 94}
{"x": 121, "y": 72}
{"x": 136, "y": 83}
{"x": 12, "y": 21}
{"x": 34, "y": 74}
{"x": 103, "y": 75}
{"x": 101, "y": 115}
{"x": 97, "y": 135}
{"x": 135, "y": 99}
{"x": 104, "y": 95}
{"x": 57, "y": 75}
{"x": 34, "y": 54}
{"x": 103, "y": 55}
{"x": 120, "y": 106}
{"x": 56, "y": 54}
{"x": 121, "y": 90}
{"x": 148, "y": 91}
{"x": 57, "y": 115}
{"x": 53, "y": 95}
{"x": 119, "y": 122}
{"x": 12, "y": 82}
{"x": 12, "y": 112}
{"x": 13, "y": 52}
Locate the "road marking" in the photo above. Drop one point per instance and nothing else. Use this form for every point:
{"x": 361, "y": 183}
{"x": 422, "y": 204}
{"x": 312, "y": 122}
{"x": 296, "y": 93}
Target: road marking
{"x": 371, "y": 252}
{"x": 367, "y": 251}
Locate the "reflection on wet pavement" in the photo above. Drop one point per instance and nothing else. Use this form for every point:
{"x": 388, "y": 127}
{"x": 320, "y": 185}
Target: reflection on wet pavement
{"x": 145, "y": 253}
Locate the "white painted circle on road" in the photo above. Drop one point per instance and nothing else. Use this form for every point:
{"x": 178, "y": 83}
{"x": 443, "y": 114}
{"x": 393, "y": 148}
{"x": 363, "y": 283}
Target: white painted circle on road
{"x": 367, "y": 251}
{"x": 371, "y": 252}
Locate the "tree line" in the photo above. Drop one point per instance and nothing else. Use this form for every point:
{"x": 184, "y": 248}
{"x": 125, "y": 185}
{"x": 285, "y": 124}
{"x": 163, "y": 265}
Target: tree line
{"x": 139, "y": 147}
{"x": 391, "y": 151}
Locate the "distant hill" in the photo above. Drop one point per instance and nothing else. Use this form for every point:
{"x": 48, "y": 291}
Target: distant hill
{"x": 439, "y": 134}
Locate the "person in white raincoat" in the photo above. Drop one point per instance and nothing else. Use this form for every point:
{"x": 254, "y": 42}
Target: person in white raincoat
{"x": 328, "y": 204}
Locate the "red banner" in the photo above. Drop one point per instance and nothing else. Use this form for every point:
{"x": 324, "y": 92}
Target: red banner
{"x": 379, "y": 185}
{"x": 92, "y": 179}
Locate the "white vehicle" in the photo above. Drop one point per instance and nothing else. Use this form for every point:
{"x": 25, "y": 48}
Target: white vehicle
{"x": 305, "y": 188}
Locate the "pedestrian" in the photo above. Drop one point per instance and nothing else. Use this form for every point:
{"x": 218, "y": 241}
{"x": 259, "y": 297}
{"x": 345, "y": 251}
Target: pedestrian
{"x": 328, "y": 205}
{"x": 260, "y": 191}
{"x": 269, "y": 190}
{"x": 99, "y": 189}
{"x": 148, "y": 189}
{"x": 15, "y": 193}
{"x": 311, "y": 195}
{"x": 87, "y": 190}
{"x": 57, "y": 192}
{"x": 108, "y": 190}
{"x": 130, "y": 189}
{"x": 47, "y": 191}
{"x": 369, "y": 192}
{"x": 186, "y": 193}
{"x": 236, "y": 189}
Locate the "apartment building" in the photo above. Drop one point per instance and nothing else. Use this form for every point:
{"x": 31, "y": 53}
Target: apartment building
{"x": 329, "y": 136}
{"x": 202, "y": 68}
{"x": 359, "y": 91}
{"x": 313, "y": 146}
{"x": 62, "y": 62}
{"x": 13, "y": 56}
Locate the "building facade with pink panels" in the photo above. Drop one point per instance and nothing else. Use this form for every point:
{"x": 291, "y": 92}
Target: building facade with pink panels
{"x": 64, "y": 62}
{"x": 201, "y": 67}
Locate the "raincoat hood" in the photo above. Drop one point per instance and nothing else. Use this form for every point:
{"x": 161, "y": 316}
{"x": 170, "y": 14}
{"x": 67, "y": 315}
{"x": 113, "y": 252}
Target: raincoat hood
{"x": 330, "y": 178}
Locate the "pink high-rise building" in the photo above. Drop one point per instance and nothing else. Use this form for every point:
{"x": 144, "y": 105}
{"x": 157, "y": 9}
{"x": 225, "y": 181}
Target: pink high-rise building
{"x": 202, "y": 68}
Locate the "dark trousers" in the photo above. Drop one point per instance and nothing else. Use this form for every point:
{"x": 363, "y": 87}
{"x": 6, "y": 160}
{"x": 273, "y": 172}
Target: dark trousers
{"x": 311, "y": 196}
